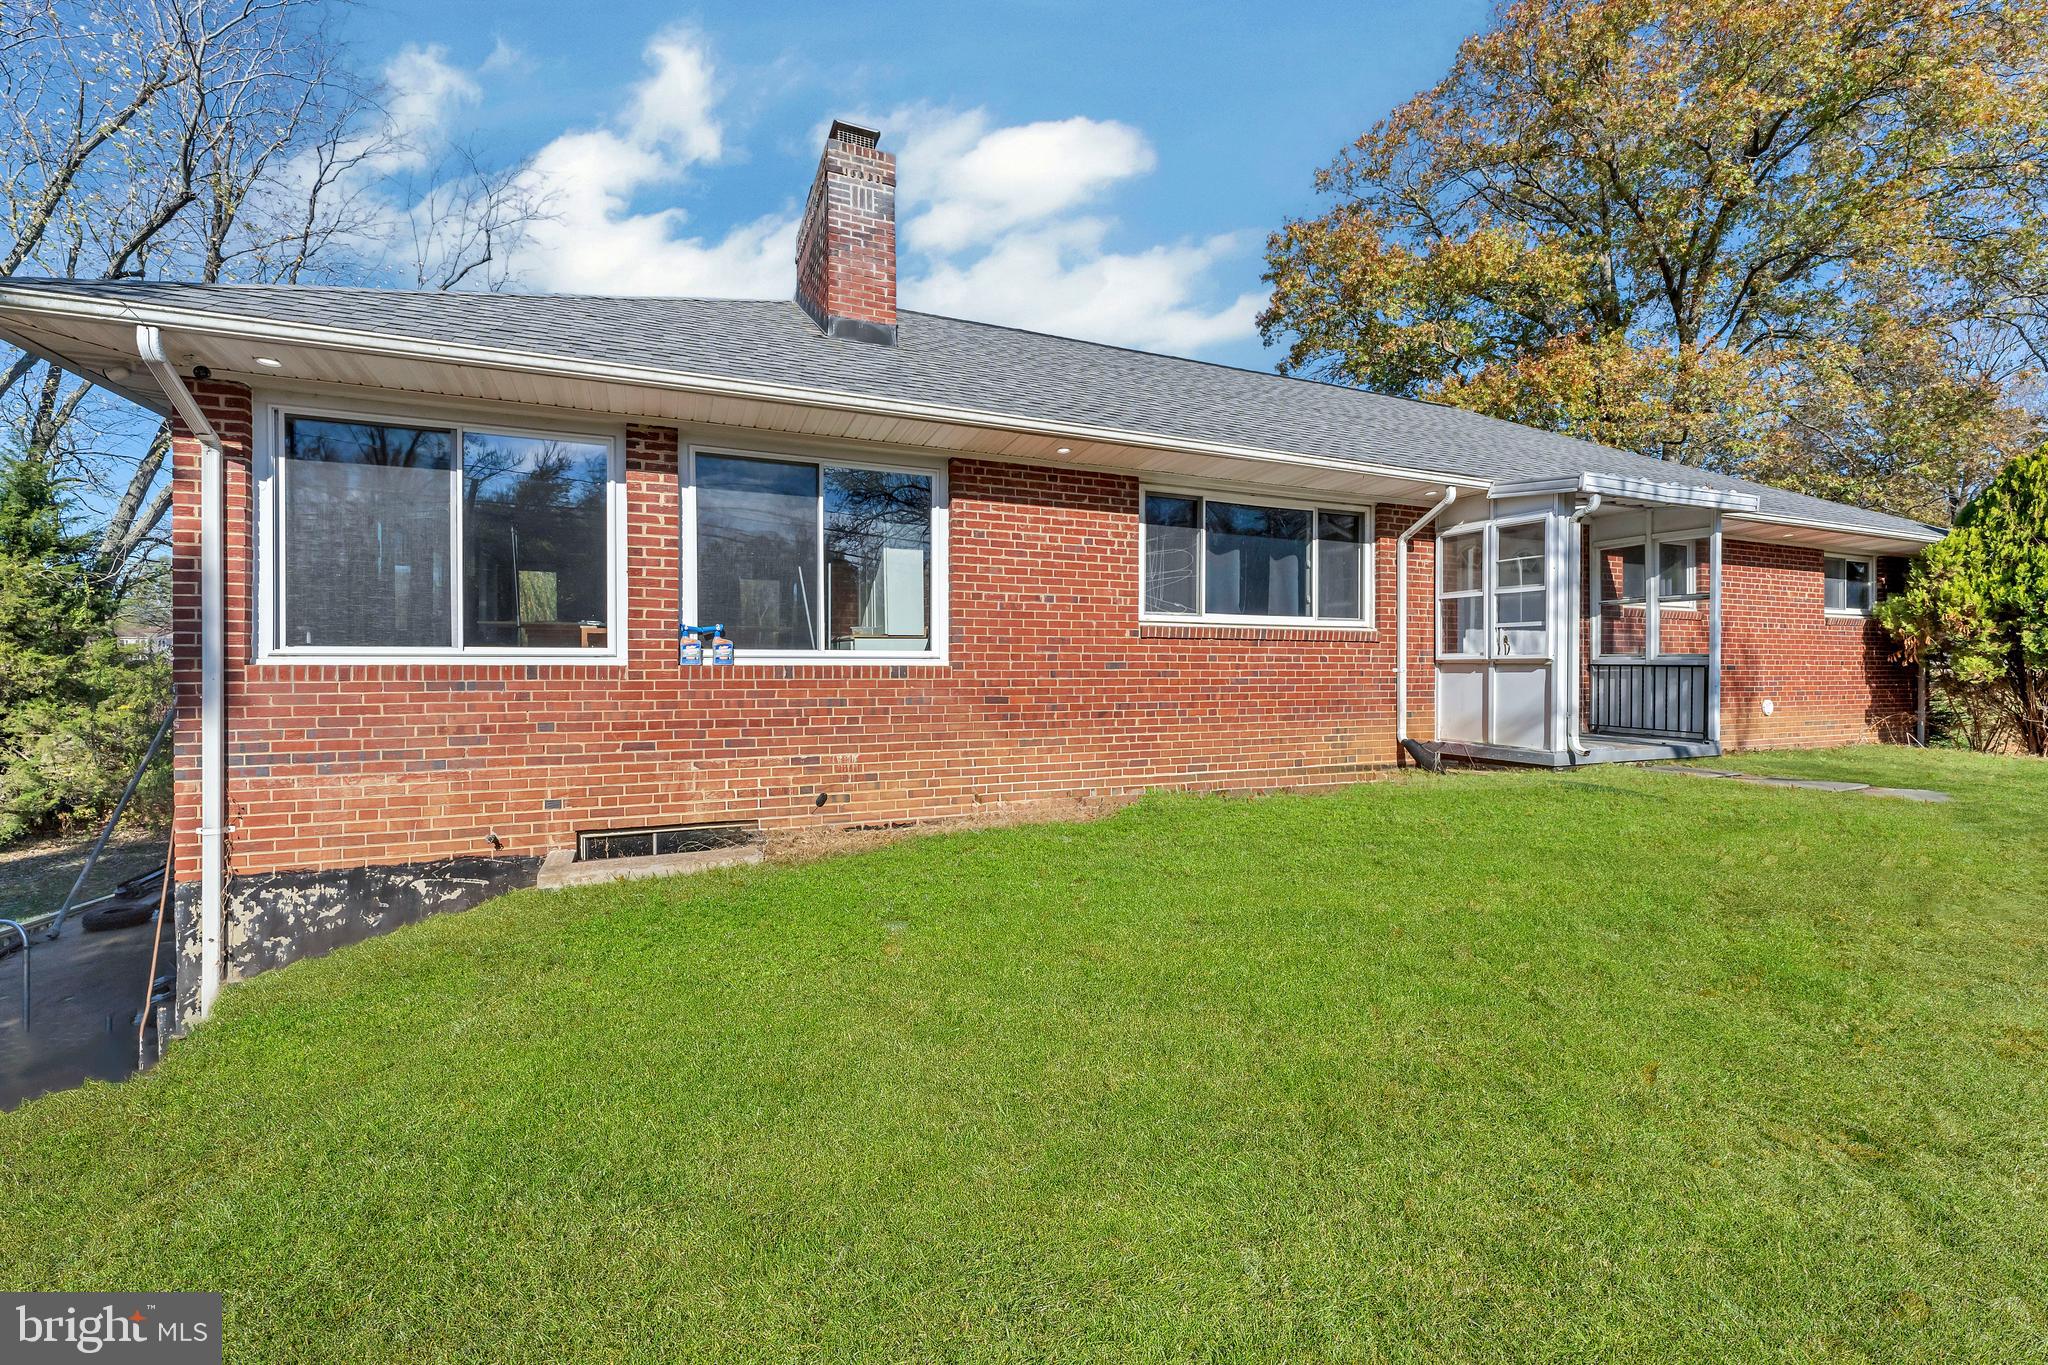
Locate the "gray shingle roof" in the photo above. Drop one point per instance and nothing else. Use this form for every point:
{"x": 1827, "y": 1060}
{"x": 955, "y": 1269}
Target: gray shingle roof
{"x": 998, "y": 371}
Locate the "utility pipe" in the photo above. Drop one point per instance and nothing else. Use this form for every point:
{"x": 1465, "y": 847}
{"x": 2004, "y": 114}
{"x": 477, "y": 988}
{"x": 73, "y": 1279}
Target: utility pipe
{"x": 1401, "y": 614}
{"x": 1573, "y": 740}
{"x": 212, "y": 662}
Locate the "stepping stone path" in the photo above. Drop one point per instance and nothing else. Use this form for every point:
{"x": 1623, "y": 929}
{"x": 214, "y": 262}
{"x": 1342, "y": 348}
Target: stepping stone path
{"x": 1809, "y": 784}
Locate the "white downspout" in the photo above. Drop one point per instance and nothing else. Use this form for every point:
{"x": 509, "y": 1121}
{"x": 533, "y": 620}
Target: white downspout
{"x": 212, "y": 662}
{"x": 1714, "y": 636}
{"x": 1573, "y": 740}
{"x": 1401, "y": 613}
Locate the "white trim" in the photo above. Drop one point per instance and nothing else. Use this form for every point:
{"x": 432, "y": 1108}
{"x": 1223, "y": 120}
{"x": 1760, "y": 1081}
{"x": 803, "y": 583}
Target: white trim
{"x": 1928, "y": 537}
{"x": 825, "y": 456}
{"x": 270, "y": 569}
{"x": 1848, "y": 613}
{"x": 1624, "y": 487}
{"x": 1652, "y": 603}
{"x": 1444, "y": 538}
{"x": 1367, "y": 622}
{"x": 527, "y": 362}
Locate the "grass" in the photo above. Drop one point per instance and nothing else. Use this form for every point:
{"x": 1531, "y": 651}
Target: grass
{"x": 36, "y": 873}
{"x": 1607, "y": 1064}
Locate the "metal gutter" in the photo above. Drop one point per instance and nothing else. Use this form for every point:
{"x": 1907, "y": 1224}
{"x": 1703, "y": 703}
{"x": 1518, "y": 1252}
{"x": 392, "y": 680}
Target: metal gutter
{"x": 527, "y": 362}
{"x": 212, "y": 661}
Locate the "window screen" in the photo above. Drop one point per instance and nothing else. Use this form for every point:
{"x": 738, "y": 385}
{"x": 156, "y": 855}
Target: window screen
{"x": 1173, "y": 547}
{"x": 366, "y": 520}
{"x": 878, "y": 555}
{"x": 1340, "y": 565}
{"x": 1255, "y": 562}
{"x": 534, "y": 560}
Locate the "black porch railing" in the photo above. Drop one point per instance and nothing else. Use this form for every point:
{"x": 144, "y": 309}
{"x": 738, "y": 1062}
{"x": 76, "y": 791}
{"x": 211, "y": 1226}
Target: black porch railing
{"x": 1650, "y": 700}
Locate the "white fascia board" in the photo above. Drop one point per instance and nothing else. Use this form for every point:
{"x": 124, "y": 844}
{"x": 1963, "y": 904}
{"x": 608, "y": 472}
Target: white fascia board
{"x": 1868, "y": 538}
{"x": 1641, "y": 490}
{"x": 404, "y": 348}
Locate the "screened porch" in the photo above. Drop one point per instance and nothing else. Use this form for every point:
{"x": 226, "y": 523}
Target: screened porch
{"x": 1579, "y": 621}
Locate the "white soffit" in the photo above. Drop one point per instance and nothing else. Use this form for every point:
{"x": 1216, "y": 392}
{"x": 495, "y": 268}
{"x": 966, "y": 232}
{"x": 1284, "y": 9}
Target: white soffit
{"x": 95, "y": 345}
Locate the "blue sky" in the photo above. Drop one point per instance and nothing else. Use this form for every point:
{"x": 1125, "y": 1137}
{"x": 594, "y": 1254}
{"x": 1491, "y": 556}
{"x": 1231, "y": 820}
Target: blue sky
{"x": 1093, "y": 169}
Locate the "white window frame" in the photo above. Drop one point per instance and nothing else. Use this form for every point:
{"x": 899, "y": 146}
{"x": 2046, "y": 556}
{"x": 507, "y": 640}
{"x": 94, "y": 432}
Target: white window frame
{"x": 1652, "y": 603}
{"x": 938, "y": 617}
{"x": 1690, "y": 599}
{"x": 1202, "y": 616}
{"x": 270, "y": 549}
{"x": 1495, "y": 632}
{"x": 1479, "y": 531}
{"x": 1848, "y": 613}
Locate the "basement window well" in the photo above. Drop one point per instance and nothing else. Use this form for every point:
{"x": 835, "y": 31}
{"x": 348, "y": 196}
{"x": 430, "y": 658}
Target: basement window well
{"x": 598, "y": 845}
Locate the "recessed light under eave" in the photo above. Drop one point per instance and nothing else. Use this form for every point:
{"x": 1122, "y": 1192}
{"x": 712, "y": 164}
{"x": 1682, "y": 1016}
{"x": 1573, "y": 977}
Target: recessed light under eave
{"x": 268, "y": 363}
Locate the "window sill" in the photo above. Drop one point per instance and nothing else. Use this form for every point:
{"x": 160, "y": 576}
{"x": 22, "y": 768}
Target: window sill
{"x": 1847, "y": 615}
{"x": 834, "y": 658}
{"x": 500, "y": 658}
{"x": 1169, "y": 628}
{"x": 1354, "y": 626}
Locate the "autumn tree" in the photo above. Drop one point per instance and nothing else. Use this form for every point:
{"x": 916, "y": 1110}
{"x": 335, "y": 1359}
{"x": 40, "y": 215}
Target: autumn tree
{"x": 1801, "y": 240}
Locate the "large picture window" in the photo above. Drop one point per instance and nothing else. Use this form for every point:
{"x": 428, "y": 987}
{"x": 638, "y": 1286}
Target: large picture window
{"x": 814, "y": 556}
{"x": 1218, "y": 559}
{"x": 415, "y": 538}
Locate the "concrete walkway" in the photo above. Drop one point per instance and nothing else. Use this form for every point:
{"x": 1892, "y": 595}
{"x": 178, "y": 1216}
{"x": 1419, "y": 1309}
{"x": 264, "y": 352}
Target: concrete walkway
{"x": 1807, "y": 783}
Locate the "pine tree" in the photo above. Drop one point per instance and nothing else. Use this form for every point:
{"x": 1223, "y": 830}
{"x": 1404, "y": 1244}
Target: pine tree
{"x": 1975, "y": 608}
{"x": 77, "y": 706}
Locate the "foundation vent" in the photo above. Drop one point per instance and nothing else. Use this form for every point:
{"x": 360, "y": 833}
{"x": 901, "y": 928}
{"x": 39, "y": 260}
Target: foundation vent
{"x": 597, "y": 845}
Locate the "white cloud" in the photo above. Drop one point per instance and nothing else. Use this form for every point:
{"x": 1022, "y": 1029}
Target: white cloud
{"x": 594, "y": 242}
{"x": 1002, "y": 223}
{"x": 1061, "y": 279}
{"x": 506, "y": 59}
{"x": 965, "y": 183}
{"x": 673, "y": 107}
{"x": 422, "y": 92}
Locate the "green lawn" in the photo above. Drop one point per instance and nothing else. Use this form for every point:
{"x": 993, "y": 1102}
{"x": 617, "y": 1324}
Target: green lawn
{"x": 1611, "y": 1064}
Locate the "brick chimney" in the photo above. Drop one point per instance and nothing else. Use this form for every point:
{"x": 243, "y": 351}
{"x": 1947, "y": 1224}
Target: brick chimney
{"x": 846, "y": 248}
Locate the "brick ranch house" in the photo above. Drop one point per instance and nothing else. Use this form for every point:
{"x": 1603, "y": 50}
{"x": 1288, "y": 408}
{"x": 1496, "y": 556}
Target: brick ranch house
{"x": 434, "y": 553}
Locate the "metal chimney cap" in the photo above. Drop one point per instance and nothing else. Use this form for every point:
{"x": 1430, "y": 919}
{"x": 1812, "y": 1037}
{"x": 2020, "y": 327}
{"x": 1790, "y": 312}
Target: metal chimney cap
{"x": 854, "y": 134}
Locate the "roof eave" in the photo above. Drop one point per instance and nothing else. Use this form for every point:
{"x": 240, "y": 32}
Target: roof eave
{"x": 393, "y": 346}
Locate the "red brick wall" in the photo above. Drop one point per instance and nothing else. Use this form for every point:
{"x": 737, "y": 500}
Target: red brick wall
{"x": 1830, "y": 680}
{"x": 1053, "y": 690}
{"x": 227, "y": 407}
